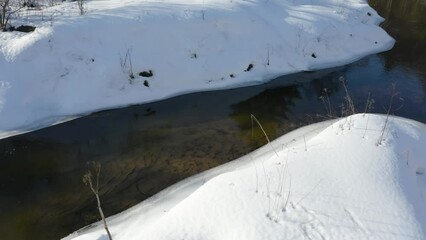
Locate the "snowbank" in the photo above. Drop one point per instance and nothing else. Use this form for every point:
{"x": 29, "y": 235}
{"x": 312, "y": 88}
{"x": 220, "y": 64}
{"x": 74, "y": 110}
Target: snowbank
{"x": 73, "y": 65}
{"x": 340, "y": 184}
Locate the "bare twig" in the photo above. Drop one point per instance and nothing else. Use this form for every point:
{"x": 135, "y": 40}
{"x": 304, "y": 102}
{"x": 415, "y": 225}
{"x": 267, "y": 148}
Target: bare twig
{"x": 349, "y": 107}
{"x": 264, "y": 133}
{"x": 80, "y": 6}
{"x": 87, "y": 179}
{"x": 327, "y": 103}
{"x": 393, "y": 94}
{"x": 368, "y": 104}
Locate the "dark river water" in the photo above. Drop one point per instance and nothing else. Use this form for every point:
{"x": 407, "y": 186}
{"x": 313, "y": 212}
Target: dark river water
{"x": 145, "y": 148}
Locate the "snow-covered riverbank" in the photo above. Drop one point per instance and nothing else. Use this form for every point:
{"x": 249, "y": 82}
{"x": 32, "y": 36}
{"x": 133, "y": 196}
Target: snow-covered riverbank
{"x": 330, "y": 180}
{"x": 74, "y": 65}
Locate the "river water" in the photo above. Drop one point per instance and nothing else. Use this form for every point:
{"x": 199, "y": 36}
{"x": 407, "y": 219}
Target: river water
{"x": 146, "y": 148}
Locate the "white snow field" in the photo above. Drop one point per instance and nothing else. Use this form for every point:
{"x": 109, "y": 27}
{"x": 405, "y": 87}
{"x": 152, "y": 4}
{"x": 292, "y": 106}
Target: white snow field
{"x": 73, "y": 65}
{"x": 330, "y": 180}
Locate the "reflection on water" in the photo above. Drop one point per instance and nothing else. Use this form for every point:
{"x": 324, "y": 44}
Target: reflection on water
{"x": 146, "y": 148}
{"x": 406, "y": 64}
{"x": 143, "y": 149}
{"x": 406, "y": 21}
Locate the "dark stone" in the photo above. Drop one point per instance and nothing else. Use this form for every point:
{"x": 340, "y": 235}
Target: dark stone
{"x": 250, "y": 66}
{"x": 149, "y": 112}
{"x": 313, "y": 55}
{"x": 146, "y": 74}
{"x": 30, "y": 5}
{"x": 25, "y": 28}
{"x": 232, "y": 75}
{"x": 146, "y": 83}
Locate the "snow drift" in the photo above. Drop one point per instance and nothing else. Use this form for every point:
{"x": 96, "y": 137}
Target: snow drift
{"x": 341, "y": 184}
{"x": 73, "y": 65}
